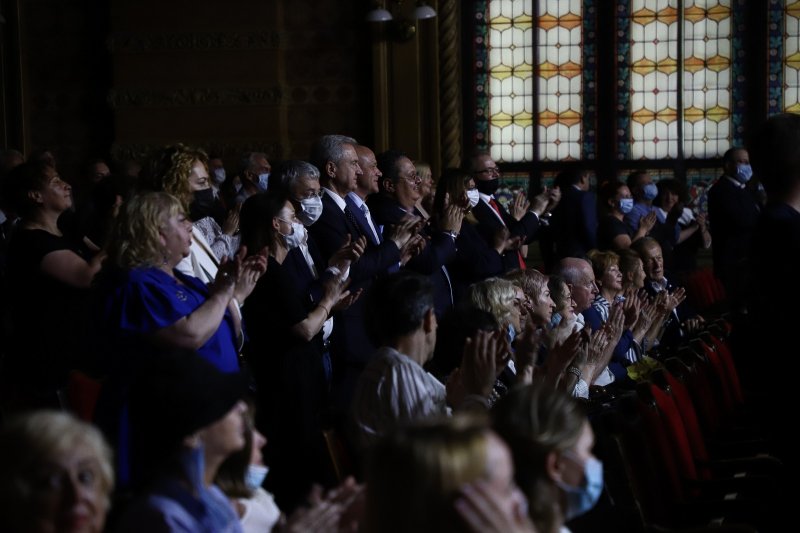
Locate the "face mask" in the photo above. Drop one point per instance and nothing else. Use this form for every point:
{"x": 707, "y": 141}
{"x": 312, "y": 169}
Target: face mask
{"x": 474, "y": 197}
{"x": 511, "y": 334}
{"x": 203, "y": 205}
{"x": 219, "y": 175}
{"x": 650, "y": 191}
{"x": 488, "y": 187}
{"x": 743, "y": 172}
{"x": 582, "y": 499}
{"x": 237, "y": 187}
{"x": 263, "y": 181}
{"x": 255, "y": 476}
{"x": 297, "y": 237}
{"x": 310, "y": 210}
{"x": 626, "y": 205}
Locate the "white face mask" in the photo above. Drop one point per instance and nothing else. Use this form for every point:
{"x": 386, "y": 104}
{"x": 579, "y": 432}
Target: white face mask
{"x": 296, "y": 238}
{"x": 310, "y": 210}
{"x": 255, "y": 476}
{"x": 263, "y": 181}
{"x": 219, "y": 176}
{"x": 473, "y": 196}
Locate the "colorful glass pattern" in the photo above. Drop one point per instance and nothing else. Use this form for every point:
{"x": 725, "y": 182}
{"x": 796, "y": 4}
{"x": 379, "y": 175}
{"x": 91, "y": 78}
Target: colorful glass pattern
{"x": 791, "y": 57}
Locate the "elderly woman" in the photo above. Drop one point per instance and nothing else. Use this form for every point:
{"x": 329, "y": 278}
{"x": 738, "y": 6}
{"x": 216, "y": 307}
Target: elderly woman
{"x": 55, "y": 475}
{"x": 145, "y": 295}
{"x": 285, "y": 351}
{"x": 421, "y": 478}
{"x": 48, "y": 277}
{"x": 182, "y": 171}
{"x": 539, "y": 303}
{"x": 551, "y": 442}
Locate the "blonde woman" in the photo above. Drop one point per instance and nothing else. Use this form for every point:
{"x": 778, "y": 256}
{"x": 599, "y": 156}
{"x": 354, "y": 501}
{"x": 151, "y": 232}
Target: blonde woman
{"x": 55, "y": 474}
{"x": 425, "y": 477}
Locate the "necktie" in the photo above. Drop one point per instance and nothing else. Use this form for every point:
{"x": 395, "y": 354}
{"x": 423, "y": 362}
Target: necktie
{"x": 375, "y": 234}
{"x": 353, "y": 222}
{"x": 521, "y": 259}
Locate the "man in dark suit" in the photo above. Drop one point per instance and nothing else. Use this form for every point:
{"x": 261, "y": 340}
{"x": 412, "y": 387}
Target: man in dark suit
{"x": 494, "y": 218}
{"x": 399, "y": 193}
{"x": 574, "y": 220}
{"x": 733, "y": 215}
{"x": 335, "y": 157}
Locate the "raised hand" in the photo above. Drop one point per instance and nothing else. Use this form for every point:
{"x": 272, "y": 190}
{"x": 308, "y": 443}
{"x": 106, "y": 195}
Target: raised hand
{"x": 348, "y": 253}
{"x": 451, "y": 218}
{"x": 252, "y": 268}
{"x": 648, "y": 221}
{"x": 485, "y": 510}
{"x": 330, "y": 513}
{"x": 520, "y": 206}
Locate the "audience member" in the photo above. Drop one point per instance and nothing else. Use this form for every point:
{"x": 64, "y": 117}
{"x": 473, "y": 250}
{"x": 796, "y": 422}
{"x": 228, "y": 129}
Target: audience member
{"x": 551, "y": 442}
{"x": 55, "y": 475}
{"x": 432, "y": 477}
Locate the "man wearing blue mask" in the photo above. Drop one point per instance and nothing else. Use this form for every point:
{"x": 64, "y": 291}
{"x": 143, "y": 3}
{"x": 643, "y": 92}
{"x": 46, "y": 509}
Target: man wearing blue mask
{"x": 732, "y": 214}
{"x": 255, "y": 170}
{"x": 644, "y": 192}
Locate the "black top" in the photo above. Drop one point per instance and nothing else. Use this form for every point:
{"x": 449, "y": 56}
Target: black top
{"x": 49, "y": 318}
{"x": 609, "y": 228}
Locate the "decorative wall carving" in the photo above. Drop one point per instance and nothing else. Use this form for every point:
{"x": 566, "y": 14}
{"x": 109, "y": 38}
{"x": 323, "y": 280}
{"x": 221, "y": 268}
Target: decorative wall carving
{"x": 122, "y": 98}
{"x": 151, "y": 42}
{"x": 450, "y": 83}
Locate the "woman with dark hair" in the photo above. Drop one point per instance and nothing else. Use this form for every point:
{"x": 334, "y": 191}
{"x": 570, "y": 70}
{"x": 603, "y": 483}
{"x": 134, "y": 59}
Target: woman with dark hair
{"x": 612, "y": 232}
{"x": 48, "y": 277}
{"x": 285, "y": 352}
{"x": 475, "y": 260}
{"x": 680, "y": 233}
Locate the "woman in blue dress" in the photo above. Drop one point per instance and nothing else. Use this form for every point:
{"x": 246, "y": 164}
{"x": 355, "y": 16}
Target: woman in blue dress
{"x": 144, "y": 296}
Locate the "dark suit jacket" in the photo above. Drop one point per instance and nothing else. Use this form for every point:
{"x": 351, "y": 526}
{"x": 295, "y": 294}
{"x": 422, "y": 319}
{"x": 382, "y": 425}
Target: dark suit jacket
{"x": 489, "y": 225}
{"x": 439, "y": 252}
{"x": 363, "y": 225}
{"x": 351, "y": 349}
{"x": 732, "y": 216}
{"x": 574, "y": 223}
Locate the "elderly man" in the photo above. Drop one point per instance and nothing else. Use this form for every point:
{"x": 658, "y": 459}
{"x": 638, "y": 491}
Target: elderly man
{"x": 682, "y": 321}
{"x": 337, "y": 161}
{"x": 396, "y": 201}
{"x": 254, "y": 175}
{"x": 523, "y": 221}
{"x": 733, "y": 214}
{"x": 579, "y": 276}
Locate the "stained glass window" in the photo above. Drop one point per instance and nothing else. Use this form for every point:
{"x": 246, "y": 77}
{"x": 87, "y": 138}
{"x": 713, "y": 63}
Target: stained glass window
{"x": 557, "y": 105}
{"x": 791, "y": 57}
{"x": 660, "y": 99}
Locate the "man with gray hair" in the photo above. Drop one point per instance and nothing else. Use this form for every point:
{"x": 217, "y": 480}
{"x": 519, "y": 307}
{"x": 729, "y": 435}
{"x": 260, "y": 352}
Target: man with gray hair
{"x": 254, "y": 171}
{"x": 337, "y": 161}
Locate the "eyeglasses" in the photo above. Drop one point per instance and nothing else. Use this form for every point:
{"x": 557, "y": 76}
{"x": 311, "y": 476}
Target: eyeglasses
{"x": 412, "y": 178}
{"x": 312, "y": 194}
{"x": 490, "y": 170}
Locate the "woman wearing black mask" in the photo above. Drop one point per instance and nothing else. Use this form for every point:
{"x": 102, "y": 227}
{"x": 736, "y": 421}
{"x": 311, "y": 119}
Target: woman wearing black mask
{"x": 183, "y": 172}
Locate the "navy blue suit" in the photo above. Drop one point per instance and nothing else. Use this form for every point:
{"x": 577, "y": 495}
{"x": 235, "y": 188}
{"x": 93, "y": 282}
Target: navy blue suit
{"x": 351, "y": 349}
{"x": 475, "y": 260}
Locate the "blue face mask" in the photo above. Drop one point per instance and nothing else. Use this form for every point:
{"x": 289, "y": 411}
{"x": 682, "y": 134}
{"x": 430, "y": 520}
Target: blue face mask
{"x": 626, "y": 205}
{"x": 743, "y": 172}
{"x": 650, "y": 191}
{"x": 581, "y": 499}
{"x": 512, "y": 333}
{"x": 255, "y": 476}
{"x": 263, "y": 181}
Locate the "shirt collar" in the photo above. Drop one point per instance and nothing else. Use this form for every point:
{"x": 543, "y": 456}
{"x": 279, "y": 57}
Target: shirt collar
{"x": 336, "y": 198}
{"x": 485, "y": 197}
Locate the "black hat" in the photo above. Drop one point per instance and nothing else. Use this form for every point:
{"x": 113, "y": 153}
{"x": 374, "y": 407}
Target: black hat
{"x": 178, "y": 393}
